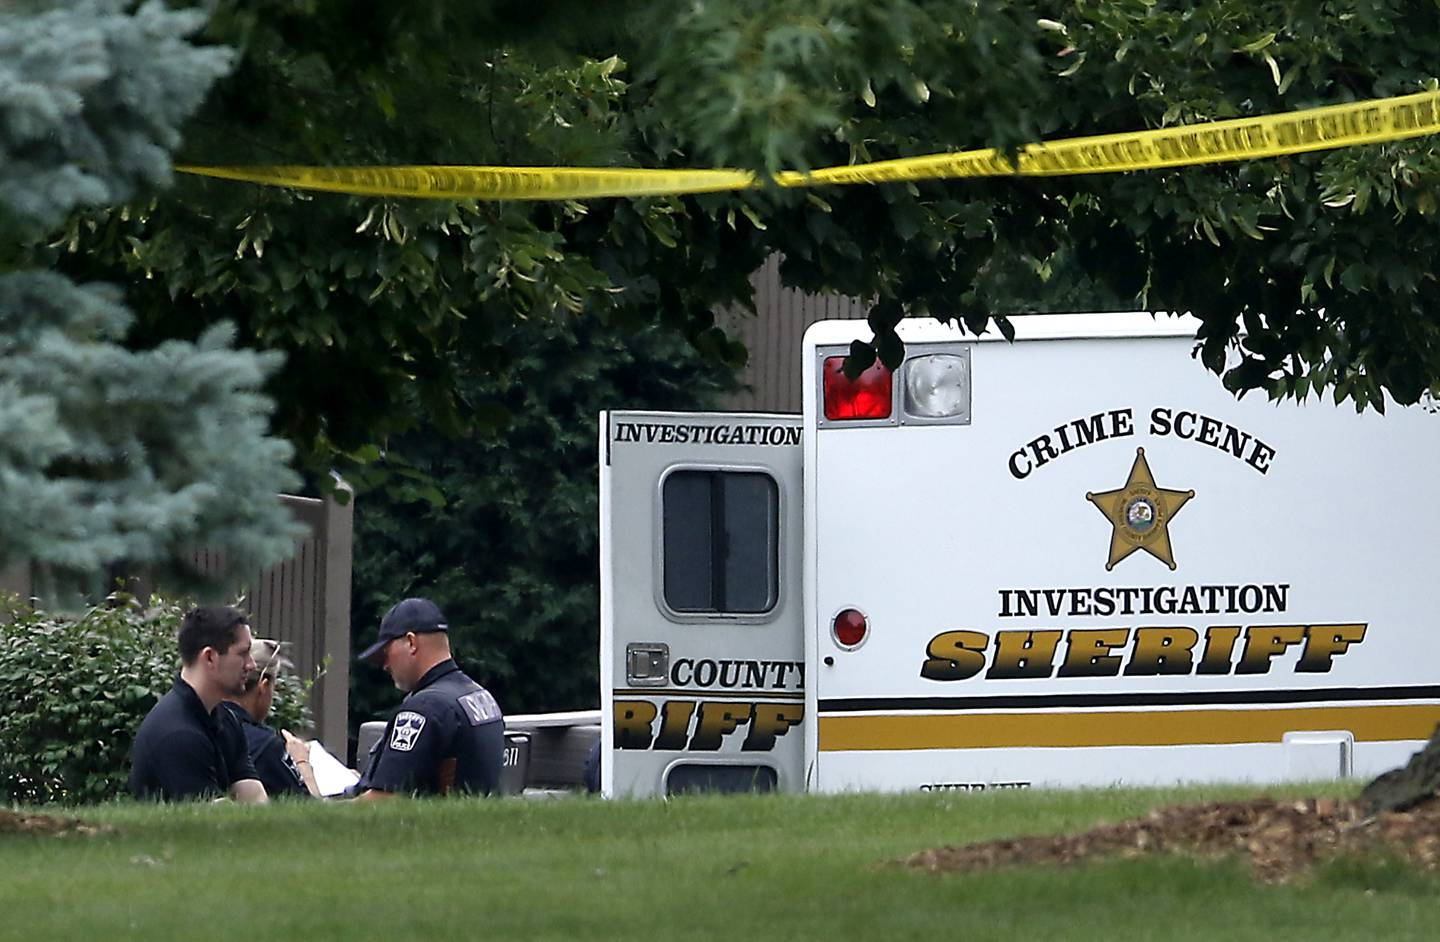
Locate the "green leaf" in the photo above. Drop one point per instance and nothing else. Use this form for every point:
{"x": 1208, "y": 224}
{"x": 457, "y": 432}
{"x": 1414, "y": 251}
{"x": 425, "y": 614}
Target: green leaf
{"x": 1257, "y": 44}
{"x": 860, "y": 358}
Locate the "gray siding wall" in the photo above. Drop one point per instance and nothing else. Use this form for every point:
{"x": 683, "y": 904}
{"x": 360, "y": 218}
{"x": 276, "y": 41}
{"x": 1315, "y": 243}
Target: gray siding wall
{"x": 771, "y": 378}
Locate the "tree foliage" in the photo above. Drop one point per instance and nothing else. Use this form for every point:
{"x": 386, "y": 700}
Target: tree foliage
{"x": 377, "y": 302}
{"x": 110, "y": 454}
{"x": 91, "y": 100}
{"x": 500, "y": 529}
{"x": 1321, "y": 260}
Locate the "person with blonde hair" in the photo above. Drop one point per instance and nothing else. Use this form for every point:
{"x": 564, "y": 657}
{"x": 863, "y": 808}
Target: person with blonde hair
{"x": 281, "y": 760}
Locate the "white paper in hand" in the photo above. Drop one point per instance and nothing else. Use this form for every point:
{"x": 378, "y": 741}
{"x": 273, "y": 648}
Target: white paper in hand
{"x": 331, "y": 776}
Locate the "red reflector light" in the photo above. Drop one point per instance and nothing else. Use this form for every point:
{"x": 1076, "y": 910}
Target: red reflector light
{"x": 867, "y": 396}
{"x": 849, "y": 627}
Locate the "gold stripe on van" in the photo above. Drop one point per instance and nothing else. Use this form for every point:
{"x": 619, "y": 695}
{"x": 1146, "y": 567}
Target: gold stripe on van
{"x": 885, "y": 733}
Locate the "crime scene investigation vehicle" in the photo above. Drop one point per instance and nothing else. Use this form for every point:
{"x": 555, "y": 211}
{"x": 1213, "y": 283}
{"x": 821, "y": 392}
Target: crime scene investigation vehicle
{"x": 1070, "y": 560}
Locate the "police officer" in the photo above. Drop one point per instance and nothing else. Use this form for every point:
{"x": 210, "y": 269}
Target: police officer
{"x": 448, "y": 735}
{"x": 187, "y": 747}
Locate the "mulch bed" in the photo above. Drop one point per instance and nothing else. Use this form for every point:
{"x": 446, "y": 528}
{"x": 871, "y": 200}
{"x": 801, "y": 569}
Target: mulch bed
{"x": 15, "y": 822}
{"x": 1280, "y": 839}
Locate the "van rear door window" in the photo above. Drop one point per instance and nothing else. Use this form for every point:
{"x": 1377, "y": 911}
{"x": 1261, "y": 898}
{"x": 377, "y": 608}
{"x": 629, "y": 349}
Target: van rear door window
{"x": 721, "y": 542}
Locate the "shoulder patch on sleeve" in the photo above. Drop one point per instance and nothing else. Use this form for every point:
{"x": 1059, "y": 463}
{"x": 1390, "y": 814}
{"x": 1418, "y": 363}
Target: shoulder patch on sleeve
{"x": 480, "y": 707}
{"x": 406, "y": 731}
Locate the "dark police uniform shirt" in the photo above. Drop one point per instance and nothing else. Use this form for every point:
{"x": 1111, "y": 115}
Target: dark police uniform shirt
{"x": 273, "y": 765}
{"x": 446, "y": 717}
{"x": 181, "y": 751}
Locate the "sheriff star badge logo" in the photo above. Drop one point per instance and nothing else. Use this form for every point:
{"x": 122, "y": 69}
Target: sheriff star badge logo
{"x": 1140, "y": 512}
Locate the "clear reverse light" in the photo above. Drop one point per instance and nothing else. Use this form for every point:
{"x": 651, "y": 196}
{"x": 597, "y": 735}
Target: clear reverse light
{"x": 938, "y": 387}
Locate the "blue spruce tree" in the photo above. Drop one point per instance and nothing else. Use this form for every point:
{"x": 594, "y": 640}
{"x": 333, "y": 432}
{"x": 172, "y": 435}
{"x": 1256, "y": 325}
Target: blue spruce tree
{"x": 111, "y": 457}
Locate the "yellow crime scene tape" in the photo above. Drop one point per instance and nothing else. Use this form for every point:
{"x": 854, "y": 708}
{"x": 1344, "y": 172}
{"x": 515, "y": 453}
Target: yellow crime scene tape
{"x": 1329, "y": 127}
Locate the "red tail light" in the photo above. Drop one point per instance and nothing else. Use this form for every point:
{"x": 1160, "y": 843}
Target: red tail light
{"x": 867, "y": 396}
{"x": 850, "y": 628}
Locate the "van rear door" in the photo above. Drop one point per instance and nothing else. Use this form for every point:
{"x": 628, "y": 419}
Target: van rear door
{"x": 702, "y": 680}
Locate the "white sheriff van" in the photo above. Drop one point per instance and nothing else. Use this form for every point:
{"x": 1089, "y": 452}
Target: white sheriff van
{"x": 1070, "y": 560}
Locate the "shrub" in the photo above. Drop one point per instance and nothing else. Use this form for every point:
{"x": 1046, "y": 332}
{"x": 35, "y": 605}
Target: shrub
{"x": 75, "y": 688}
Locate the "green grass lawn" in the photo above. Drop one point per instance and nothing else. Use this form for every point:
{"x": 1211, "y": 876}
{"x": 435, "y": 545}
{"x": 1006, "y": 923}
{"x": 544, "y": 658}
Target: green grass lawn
{"x": 746, "y": 868}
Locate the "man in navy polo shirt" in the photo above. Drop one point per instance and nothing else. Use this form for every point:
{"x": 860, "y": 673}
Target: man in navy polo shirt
{"x": 186, "y": 747}
{"x": 448, "y": 735}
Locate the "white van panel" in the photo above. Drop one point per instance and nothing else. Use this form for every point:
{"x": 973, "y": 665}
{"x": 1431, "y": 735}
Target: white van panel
{"x": 1305, "y": 529}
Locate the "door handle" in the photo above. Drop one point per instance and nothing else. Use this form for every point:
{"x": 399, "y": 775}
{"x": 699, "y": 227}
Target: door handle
{"x": 647, "y": 664}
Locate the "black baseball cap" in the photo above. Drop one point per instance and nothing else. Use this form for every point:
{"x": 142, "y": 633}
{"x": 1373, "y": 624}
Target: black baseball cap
{"x": 417, "y": 615}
